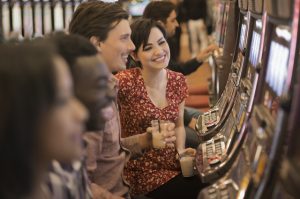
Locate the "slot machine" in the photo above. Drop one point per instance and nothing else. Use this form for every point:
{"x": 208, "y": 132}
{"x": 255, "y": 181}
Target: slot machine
{"x": 216, "y": 153}
{"x": 27, "y": 16}
{"x": 250, "y": 175}
{"x": 37, "y": 18}
{"x": 5, "y": 19}
{"x": 220, "y": 63}
{"x": 58, "y": 15}
{"x": 287, "y": 175}
{"x": 210, "y": 123}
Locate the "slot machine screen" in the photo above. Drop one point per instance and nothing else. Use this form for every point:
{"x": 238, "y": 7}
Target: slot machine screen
{"x": 17, "y": 19}
{"x": 5, "y": 19}
{"x": 28, "y": 23}
{"x": 38, "y": 19}
{"x": 276, "y": 68}
{"x": 242, "y": 34}
{"x": 58, "y": 16}
{"x": 254, "y": 49}
{"x": 136, "y": 9}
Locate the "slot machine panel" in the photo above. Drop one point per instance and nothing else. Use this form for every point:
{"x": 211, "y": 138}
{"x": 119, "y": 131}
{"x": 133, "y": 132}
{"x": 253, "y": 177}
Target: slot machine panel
{"x": 27, "y": 19}
{"x": 279, "y": 9}
{"x": 256, "y": 6}
{"x": 210, "y": 119}
{"x": 243, "y": 5}
{"x": 229, "y": 185}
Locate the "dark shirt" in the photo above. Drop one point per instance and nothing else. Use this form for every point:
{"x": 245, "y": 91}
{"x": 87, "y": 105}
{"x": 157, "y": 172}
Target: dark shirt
{"x": 195, "y": 9}
{"x": 184, "y": 68}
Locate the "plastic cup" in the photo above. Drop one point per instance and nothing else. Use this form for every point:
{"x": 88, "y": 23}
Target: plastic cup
{"x": 187, "y": 165}
{"x": 157, "y": 136}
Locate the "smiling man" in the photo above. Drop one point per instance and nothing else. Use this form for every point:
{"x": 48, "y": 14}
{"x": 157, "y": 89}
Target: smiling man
{"x": 107, "y": 27}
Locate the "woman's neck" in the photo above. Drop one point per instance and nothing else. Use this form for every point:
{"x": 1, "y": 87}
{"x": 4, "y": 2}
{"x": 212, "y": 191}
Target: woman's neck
{"x": 153, "y": 78}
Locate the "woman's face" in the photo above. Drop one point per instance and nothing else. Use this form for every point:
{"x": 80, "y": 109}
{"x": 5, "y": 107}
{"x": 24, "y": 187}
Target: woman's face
{"x": 156, "y": 53}
{"x": 62, "y": 126}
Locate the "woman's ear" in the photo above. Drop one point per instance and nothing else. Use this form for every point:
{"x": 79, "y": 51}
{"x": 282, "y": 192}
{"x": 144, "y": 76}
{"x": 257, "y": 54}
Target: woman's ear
{"x": 134, "y": 56}
{"x": 95, "y": 41}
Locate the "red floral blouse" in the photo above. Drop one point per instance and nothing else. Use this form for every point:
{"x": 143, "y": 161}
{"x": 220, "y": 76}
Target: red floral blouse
{"x": 156, "y": 166}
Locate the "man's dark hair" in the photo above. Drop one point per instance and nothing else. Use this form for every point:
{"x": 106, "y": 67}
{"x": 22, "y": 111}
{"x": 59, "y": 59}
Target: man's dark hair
{"x": 141, "y": 29}
{"x": 96, "y": 18}
{"x": 159, "y": 10}
{"x": 28, "y": 90}
{"x": 72, "y": 46}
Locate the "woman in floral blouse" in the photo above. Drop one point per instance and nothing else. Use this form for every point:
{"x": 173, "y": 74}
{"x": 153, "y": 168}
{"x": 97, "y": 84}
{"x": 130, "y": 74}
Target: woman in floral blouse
{"x": 151, "y": 92}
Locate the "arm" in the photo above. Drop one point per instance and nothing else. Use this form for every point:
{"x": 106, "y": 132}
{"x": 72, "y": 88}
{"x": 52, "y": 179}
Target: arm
{"x": 179, "y": 130}
{"x": 137, "y": 143}
{"x": 100, "y": 193}
{"x": 185, "y": 68}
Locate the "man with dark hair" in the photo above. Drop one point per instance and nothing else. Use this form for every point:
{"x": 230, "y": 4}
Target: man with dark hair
{"x": 90, "y": 76}
{"x": 107, "y": 27}
{"x": 165, "y": 12}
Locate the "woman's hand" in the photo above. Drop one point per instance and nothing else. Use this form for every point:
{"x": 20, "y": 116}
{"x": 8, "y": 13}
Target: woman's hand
{"x": 169, "y": 135}
{"x": 187, "y": 151}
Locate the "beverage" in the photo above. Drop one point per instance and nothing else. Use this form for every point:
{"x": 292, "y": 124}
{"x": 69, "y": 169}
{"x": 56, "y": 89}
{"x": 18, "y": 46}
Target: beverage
{"x": 187, "y": 165}
{"x": 158, "y": 140}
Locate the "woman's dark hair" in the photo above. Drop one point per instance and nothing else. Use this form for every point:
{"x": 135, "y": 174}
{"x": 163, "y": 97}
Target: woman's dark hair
{"x": 96, "y": 18}
{"x": 159, "y": 10}
{"x": 141, "y": 29}
{"x": 27, "y": 91}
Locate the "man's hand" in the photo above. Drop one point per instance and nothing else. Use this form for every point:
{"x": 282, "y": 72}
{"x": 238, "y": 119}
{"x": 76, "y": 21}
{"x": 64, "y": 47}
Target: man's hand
{"x": 204, "y": 54}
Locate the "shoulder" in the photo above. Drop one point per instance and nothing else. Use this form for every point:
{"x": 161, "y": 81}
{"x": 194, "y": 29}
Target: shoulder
{"x": 172, "y": 75}
{"x": 127, "y": 74}
{"x": 127, "y": 78}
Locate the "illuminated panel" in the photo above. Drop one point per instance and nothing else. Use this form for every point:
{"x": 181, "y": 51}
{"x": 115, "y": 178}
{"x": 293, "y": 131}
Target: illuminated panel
{"x": 276, "y": 68}
{"x": 242, "y": 36}
{"x": 254, "y": 49}
{"x": 28, "y": 23}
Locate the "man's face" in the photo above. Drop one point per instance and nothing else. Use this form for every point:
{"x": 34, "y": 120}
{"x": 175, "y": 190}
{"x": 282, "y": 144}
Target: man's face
{"x": 171, "y": 24}
{"x": 92, "y": 88}
{"x": 117, "y": 46}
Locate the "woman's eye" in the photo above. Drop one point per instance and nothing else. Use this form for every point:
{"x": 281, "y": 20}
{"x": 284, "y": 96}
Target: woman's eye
{"x": 161, "y": 42}
{"x": 147, "y": 48}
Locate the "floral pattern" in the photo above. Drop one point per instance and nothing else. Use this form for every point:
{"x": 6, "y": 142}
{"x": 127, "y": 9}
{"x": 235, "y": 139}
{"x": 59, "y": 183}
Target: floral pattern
{"x": 156, "y": 166}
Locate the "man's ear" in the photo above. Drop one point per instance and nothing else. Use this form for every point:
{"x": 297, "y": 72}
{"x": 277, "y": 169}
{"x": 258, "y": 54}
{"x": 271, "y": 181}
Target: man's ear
{"x": 95, "y": 41}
